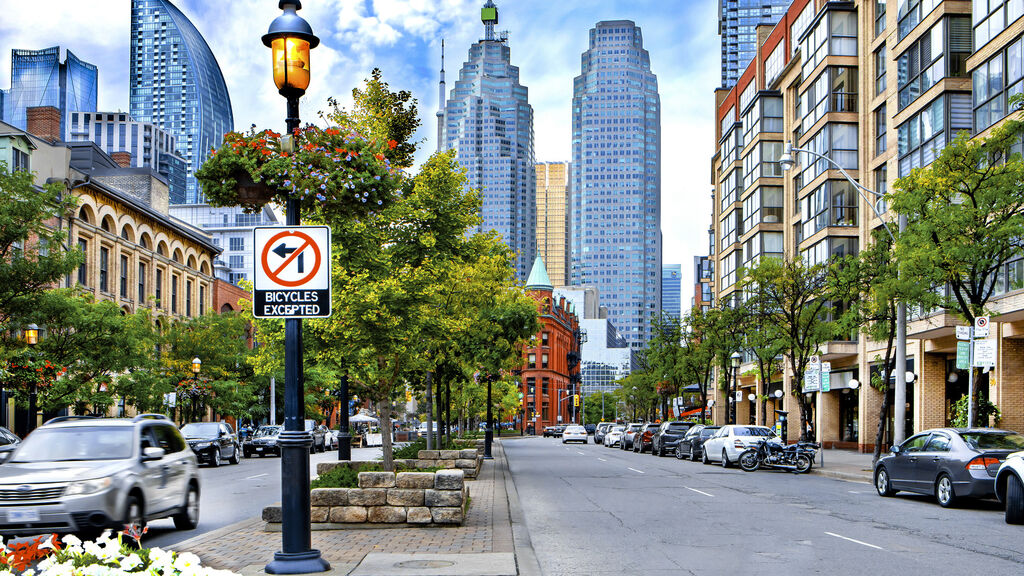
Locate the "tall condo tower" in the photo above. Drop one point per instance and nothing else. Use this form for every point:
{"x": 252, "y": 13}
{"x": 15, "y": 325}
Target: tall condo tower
{"x": 737, "y": 24}
{"x": 553, "y": 219}
{"x": 39, "y": 78}
{"x": 176, "y": 83}
{"x": 616, "y": 190}
{"x": 489, "y": 123}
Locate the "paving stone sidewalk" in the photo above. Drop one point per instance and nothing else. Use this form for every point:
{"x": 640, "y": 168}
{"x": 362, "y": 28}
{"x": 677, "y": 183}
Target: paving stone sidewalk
{"x": 245, "y": 547}
{"x": 847, "y": 465}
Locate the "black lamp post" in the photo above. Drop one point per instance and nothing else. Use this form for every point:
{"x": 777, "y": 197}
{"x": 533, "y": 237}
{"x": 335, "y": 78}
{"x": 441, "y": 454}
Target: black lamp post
{"x": 736, "y": 359}
{"x": 31, "y": 338}
{"x": 344, "y": 438}
{"x": 290, "y": 39}
{"x": 489, "y": 430}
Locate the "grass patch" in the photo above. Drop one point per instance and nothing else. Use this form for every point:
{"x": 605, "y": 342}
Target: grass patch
{"x": 345, "y": 477}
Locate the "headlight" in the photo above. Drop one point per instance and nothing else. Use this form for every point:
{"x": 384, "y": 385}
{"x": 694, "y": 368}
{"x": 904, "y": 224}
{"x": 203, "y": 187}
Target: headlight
{"x": 202, "y": 446}
{"x": 271, "y": 441}
{"x": 87, "y": 487}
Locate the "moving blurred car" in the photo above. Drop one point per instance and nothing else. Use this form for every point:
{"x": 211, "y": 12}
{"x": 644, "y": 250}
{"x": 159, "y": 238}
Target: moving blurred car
{"x": 950, "y": 463}
{"x": 263, "y": 442}
{"x": 614, "y": 436}
{"x": 213, "y": 442}
{"x": 629, "y": 434}
{"x": 1010, "y": 487}
{"x": 726, "y": 445}
{"x": 574, "y": 433}
{"x": 8, "y": 442}
{"x": 692, "y": 445}
{"x": 667, "y": 436}
{"x": 82, "y": 474}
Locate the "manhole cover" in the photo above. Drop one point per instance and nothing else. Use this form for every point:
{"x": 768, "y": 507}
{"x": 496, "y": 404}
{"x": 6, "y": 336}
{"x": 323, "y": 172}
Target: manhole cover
{"x": 424, "y": 564}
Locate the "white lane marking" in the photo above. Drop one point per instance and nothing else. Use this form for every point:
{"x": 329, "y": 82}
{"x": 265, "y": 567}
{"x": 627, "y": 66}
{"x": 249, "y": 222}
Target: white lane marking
{"x": 256, "y": 476}
{"x": 856, "y": 541}
{"x": 699, "y": 492}
{"x": 578, "y": 452}
{"x": 602, "y": 459}
{"x": 854, "y": 492}
{"x": 634, "y": 470}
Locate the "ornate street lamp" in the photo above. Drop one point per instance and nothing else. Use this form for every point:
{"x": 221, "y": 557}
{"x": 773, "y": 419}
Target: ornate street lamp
{"x": 290, "y": 38}
{"x": 32, "y": 334}
{"x": 31, "y": 338}
{"x": 197, "y": 364}
{"x": 735, "y": 360}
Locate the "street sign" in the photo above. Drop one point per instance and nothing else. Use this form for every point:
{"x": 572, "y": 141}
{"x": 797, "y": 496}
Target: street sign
{"x": 826, "y": 366}
{"x": 812, "y": 380}
{"x": 963, "y": 332}
{"x": 171, "y": 399}
{"x": 293, "y": 272}
{"x": 985, "y": 353}
{"x": 981, "y": 327}
{"x": 826, "y": 381}
{"x": 814, "y": 360}
{"x": 963, "y": 355}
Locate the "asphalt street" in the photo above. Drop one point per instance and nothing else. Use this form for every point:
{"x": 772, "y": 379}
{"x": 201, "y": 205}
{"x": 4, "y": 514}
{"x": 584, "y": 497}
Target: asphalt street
{"x": 595, "y": 510}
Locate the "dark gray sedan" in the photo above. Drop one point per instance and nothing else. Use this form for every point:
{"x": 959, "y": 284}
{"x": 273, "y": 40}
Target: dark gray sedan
{"x": 692, "y": 445}
{"x": 951, "y": 463}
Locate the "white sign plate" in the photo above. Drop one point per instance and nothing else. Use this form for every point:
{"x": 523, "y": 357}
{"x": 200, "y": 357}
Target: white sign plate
{"x": 984, "y": 353}
{"x": 981, "y": 327}
{"x": 826, "y": 366}
{"x": 292, "y": 276}
{"x": 963, "y": 332}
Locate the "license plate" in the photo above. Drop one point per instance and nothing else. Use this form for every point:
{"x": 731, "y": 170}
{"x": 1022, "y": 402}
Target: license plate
{"x": 26, "y": 515}
{"x": 259, "y": 449}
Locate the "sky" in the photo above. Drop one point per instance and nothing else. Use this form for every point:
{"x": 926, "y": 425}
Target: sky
{"x": 403, "y": 39}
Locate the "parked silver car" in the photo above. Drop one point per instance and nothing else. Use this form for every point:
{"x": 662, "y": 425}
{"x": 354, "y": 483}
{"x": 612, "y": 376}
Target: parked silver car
{"x": 79, "y": 474}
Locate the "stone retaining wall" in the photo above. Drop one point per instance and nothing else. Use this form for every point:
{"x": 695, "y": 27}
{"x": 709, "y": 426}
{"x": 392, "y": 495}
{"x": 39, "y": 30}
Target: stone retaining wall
{"x": 417, "y": 498}
{"x": 467, "y": 460}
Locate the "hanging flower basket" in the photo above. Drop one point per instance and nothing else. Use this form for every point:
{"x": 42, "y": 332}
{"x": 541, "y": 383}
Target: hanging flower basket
{"x": 334, "y": 172}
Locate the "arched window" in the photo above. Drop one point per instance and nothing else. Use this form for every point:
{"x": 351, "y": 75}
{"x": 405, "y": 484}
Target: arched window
{"x": 83, "y": 215}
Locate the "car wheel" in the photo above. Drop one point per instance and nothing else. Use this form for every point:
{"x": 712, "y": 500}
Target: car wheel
{"x": 693, "y": 455}
{"x": 246, "y": 454}
{"x": 234, "y": 455}
{"x": 1014, "y": 500}
{"x": 725, "y": 459}
{"x": 704, "y": 458}
{"x": 679, "y": 453}
{"x": 883, "y": 484}
{"x": 133, "y": 515}
{"x": 944, "y": 491}
{"x": 188, "y": 517}
{"x": 215, "y": 459}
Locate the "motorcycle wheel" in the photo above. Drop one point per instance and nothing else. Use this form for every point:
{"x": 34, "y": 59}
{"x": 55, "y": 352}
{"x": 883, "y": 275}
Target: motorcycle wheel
{"x": 749, "y": 461}
{"x": 803, "y": 463}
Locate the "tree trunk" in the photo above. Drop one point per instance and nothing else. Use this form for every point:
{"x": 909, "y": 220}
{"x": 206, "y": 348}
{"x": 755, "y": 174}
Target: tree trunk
{"x": 384, "y": 409}
{"x": 448, "y": 409}
{"x": 430, "y": 411}
{"x": 883, "y": 415}
{"x": 440, "y": 412}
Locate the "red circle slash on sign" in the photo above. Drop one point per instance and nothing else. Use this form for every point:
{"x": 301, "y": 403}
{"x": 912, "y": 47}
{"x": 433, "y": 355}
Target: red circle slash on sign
{"x": 274, "y": 275}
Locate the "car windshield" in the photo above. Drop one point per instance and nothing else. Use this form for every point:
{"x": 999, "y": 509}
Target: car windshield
{"x": 618, "y": 429}
{"x": 993, "y": 440}
{"x": 575, "y": 429}
{"x": 708, "y": 432}
{"x": 77, "y": 443}
{"x": 201, "y": 430}
{"x": 751, "y": 431}
{"x": 680, "y": 425}
{"x": 268, "y": 431}
{"x": 633, "y": 427}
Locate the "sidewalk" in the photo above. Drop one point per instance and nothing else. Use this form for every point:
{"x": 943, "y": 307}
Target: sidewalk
{"x": 844, "y": 464}
{"x": 491, "y": 541}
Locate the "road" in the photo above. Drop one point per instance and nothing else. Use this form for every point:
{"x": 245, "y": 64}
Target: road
{"x": 232, "y": 493}
{"x": 599, "y": 511}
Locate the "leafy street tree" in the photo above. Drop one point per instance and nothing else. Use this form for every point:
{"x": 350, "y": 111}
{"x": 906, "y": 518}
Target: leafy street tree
{"x": 667, "y": 356}
{"x": 391, "y": 116}
{"x": 965, "y": 220}
{"x": 764, "y": 341}
{"x": 724, "y": 340}
{"x": 700, "y": 351}
{"x": 600, "y": 407}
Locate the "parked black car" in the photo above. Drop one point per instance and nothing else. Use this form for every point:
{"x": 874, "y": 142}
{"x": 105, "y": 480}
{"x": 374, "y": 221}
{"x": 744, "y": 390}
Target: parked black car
{"x": 8, "y": 442}
{"x": 212, "y": 442}
{"x": 668, "y": 436}
{"x": 951, "y": 463}
{"x": 692, "y": 444}
{"x": 263, "y": 442}
{"x": 629, "y": 434}
{"x": 643, "y": 439}
{"x": 319, "y": 436}
{"x": 590, "y": 428}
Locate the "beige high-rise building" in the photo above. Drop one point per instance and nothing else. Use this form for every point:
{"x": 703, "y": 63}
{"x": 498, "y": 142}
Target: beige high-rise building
{"x": 553, "y": 219}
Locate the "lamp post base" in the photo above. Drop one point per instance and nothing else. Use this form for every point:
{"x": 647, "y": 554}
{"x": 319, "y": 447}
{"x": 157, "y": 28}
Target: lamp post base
{"x": 300, "y": 563}
{"x": 344, "y": 446}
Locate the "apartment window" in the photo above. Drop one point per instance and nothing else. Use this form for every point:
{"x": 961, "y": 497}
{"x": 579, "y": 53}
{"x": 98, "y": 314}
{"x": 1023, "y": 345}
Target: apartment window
{"x": 882, "y": 187}
{"x": 879, "y": 17}
{"x": 236, "y": 262}
{"x": 202, "y": 300}
{"x": 880, "y": 70}
{"x": 763, "y": 116}
{"x": 174, "y": 293}
{"x": 763, "y": 205}
{"x": 764, "y": 244}
{"x": 124, "y": 276}
{"x": 543, "y": 360}
{"x": 838, "y": 142}
{"x": 545, "y": 412}
{"x": 1014, "y": 275}
{"x": 833, "y": 203}
{"x": 544, "y": 382}
{"x": 21, "y": 161}
{"x": 762, "y": 162}
{"x": 941, "y": 52}
{"x": 104, "y": 269}
{"x": 774, "y": 63}
{"x": 544, "y": 336}
{"x": 834, "y": 90}
{"x": 730, "y": 186}
{"x": 531, "y": 386}
{"x": 912, "y": 12}
{"x": 731, "y": 227}
{"x": 829, "y": 248}
{"x": 833, "y": 35}
{"x": 237, "y": 243}
{"x": 142, "y": 283}
{"x": 923, "y": 136}
{"x": 731, "y": 144}
{"x": 82, "y": 270}
{"x": 158, "y": 288}
{"x": 188, "y": 298}
{"x": 992, "y": 16}
{"x": 995, "y": 82}
{"x": 531, "y": 361}
{"x": 880, "y": 130}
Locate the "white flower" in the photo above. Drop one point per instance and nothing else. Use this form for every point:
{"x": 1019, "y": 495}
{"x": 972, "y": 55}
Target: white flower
{"x": 131, "y": 561}
{"x": 72, "y": 540}
{"x": 160, "y": 559}
{"x": 186, "y": 560}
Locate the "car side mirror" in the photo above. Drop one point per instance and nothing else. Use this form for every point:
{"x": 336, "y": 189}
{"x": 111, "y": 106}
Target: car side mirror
{"x": 895, "y": 450}
{"x": 152, "y": 453}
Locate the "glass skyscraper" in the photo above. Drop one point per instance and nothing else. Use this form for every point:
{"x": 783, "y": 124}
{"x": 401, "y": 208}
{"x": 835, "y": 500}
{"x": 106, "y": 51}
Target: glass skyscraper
{"x": 737, "y": 24}
{"x": 489, "y": 123}
{"x": 177, "y": 84}
{"x": 671, "y": 289}
{"x": 616, "y": 191}
{"x": 39, "y": 78}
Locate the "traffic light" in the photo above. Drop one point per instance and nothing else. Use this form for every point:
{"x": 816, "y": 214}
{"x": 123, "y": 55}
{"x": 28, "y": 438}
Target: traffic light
{"x": 576, "y": 400}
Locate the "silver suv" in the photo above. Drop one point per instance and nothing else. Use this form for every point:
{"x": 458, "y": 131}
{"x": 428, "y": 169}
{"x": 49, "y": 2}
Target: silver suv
{"x": 82, "y": 474}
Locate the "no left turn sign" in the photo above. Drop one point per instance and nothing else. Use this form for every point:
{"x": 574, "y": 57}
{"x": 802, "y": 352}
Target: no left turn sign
{"x": 292, "y": 272}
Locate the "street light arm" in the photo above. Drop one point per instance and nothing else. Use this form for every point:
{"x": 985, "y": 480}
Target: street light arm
{"x": 861, "y": 189}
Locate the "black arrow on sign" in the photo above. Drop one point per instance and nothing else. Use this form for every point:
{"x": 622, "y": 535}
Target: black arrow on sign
{"x": 283, "y": 251}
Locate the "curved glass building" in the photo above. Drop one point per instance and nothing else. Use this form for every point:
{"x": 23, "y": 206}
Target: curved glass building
{"x": 177, "y": 84}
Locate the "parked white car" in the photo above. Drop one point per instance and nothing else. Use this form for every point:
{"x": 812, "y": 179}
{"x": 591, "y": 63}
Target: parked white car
{"x": 613, "y": 436}
{"x": 1010, "y": 487}
{"x": 574, "y": 433}
{"x": 731, "y": 440}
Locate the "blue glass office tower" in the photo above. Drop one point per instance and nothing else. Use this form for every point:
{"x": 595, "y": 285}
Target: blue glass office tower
{"x": 39, "y": 78}
{"x": 489, "y": 123}
{"x": 616, "y": 196}
{"x": 176, "y": 83}
{"x": 737, "y": 24}
{"x": 671, "y": 289}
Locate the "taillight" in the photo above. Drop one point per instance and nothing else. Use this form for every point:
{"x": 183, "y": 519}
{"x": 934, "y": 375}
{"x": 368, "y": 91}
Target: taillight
{"x": 738, "y": 443}
{"x": 982, "y": 463}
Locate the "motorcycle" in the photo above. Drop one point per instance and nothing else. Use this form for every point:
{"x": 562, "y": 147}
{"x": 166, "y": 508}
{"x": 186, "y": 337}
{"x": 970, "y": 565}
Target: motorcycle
{"x": 768, "y": 454}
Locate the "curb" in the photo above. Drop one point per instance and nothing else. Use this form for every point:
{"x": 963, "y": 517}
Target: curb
{"x": 526, "y": 558}
{"x": 847, "y": 476}
{"x": 206, "y": 537}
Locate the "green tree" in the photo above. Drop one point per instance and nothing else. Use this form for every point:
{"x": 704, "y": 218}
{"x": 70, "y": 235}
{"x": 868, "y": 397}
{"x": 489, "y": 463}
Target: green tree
{"x": 764, "y": 341}
{"x": 600, "y": 407}
{"x": 699, "y": 351}
{"x": 667, "y": 356}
